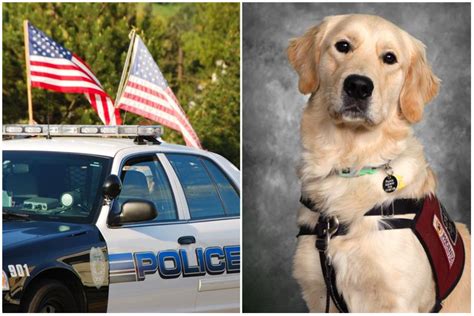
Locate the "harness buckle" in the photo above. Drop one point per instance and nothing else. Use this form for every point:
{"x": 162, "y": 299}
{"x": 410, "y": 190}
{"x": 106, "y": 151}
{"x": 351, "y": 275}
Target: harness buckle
{"x": 330, "y": 227}
{"x": 333, "y": 226}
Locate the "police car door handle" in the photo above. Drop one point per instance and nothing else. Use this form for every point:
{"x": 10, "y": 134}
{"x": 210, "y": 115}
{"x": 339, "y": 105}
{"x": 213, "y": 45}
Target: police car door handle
{"x": 186, "y": 240}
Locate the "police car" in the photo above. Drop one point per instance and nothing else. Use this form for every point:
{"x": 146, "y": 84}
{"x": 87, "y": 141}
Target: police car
{"x": 96, "y": 222}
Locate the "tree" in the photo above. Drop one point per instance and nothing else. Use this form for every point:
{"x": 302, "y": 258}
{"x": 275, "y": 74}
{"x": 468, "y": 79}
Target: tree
{"x": 206, "y": 36}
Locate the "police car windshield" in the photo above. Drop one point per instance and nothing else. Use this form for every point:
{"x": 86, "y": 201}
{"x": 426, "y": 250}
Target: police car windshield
{"x": 53, "y": 186}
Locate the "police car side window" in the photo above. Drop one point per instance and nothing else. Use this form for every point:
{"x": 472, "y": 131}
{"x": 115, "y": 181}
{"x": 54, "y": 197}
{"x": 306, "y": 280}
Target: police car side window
{"x": 199, "y": 189}
{"x": 145, "y": 178}
{"x": 227, "y": 192}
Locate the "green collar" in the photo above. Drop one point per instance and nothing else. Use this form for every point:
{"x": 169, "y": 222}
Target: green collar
{"x": 367, "y": 170}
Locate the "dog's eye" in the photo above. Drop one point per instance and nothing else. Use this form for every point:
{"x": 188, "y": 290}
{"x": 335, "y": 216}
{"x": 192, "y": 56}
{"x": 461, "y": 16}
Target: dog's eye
{"x": 343, "y": 47}
{"x": 389, "y": 58}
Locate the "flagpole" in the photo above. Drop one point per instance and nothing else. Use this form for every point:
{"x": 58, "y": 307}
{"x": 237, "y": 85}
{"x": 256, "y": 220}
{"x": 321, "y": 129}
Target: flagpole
{"x": 125, "y": 72}
{"x": 28, "y": 79}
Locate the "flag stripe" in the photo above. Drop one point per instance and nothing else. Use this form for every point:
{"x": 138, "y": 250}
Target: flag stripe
{"x": 111, "y": 109}
{"x": 99, "y": 110}
{"x": 53, "y": 66}
{"x": 80, "y": 85}
{"x": 62, "y": 72}
{"x": 49, "y": 60}
{"x": 89, "y": 98}
{"x": 103, "y": 103}
{"x": 63, "y": 89}
{"x": 62, "y": 77}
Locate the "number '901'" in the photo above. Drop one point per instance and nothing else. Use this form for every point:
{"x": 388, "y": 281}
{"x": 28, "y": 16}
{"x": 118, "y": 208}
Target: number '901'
{"x": 18, "y": 270}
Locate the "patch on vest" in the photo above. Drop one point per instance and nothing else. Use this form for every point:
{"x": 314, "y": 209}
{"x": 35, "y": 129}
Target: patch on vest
{"x": 445, "y": 240}
{"x": 449, "y": 225}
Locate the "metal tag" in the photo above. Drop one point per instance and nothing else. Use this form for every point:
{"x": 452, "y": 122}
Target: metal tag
{"x": 389, "y": 184}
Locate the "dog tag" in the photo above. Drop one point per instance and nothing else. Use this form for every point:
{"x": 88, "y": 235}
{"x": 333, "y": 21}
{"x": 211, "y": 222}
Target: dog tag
{"x": 389, "y": 184}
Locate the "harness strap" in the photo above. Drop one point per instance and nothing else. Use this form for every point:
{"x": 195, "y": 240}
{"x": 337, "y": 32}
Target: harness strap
{"x": 437, "y": 308}
{"x": 384, "y": 224}
{"x": 397, "y": 207}
{"x": 331, "y": 288}
{"x": 395, "y": 223}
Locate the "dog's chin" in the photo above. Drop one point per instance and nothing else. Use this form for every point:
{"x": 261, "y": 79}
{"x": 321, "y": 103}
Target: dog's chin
{"x": 352, "y": 118}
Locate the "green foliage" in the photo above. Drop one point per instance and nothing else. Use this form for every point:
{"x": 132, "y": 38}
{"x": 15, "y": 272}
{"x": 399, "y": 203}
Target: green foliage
{"x": 207, "y": 35}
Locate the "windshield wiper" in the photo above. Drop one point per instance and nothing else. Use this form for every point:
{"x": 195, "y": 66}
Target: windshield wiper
{"x": 15, "y": 216}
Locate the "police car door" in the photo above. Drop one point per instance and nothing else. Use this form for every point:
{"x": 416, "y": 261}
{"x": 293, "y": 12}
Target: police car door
{"x": 212, "y": 198}
{"x": 145, "y": 258}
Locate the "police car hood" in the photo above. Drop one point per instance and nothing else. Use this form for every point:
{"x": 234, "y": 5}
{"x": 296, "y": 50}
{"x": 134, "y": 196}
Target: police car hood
{"x": 19, "y": 232}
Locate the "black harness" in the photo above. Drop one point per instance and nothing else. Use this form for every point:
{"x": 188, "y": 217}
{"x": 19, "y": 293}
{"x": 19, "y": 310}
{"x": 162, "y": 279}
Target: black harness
{"x": 329, "y": 227}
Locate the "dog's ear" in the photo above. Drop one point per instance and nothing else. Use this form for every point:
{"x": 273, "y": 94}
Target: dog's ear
{"x": 303, "y": 54}
{"x": 420, "y": 87}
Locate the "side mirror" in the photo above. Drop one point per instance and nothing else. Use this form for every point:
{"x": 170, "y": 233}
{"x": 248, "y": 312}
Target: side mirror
{"x": 111, "y": 187}
{"x": 132, "y": 211}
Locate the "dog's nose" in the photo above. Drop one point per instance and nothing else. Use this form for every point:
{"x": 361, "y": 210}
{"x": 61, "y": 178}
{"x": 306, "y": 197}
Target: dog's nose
{"x": 358, "y": 87}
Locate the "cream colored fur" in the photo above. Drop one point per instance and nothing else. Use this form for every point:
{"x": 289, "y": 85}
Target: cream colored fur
{"x": 377, "y": 271}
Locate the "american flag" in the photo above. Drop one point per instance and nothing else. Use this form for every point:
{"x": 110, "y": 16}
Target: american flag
{"x": 148, "y": 94}
{"x": 55, "y": 68}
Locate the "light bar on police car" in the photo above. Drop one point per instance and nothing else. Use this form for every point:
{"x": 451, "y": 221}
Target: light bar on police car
{"x": 83, "y": 130}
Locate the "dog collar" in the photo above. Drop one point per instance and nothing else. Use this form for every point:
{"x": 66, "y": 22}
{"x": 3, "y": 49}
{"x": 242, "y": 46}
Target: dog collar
{"x": 389, "y": 184}
{"x": 352, "y": 173}
{"x": 366, "y": 170}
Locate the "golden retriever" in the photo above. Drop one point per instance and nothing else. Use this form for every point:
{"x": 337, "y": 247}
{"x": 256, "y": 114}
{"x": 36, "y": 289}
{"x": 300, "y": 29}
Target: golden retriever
{"x": 369, "y": 82}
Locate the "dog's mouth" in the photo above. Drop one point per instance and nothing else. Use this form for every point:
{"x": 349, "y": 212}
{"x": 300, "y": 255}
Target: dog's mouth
{"x": 353, "y": 113}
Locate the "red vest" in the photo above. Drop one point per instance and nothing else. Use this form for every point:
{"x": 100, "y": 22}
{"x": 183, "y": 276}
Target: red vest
{"x": 443, "y": 245}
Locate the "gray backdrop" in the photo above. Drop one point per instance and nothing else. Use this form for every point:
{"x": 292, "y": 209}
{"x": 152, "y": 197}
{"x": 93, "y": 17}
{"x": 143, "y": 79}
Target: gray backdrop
{"x": 272, "y": 108}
